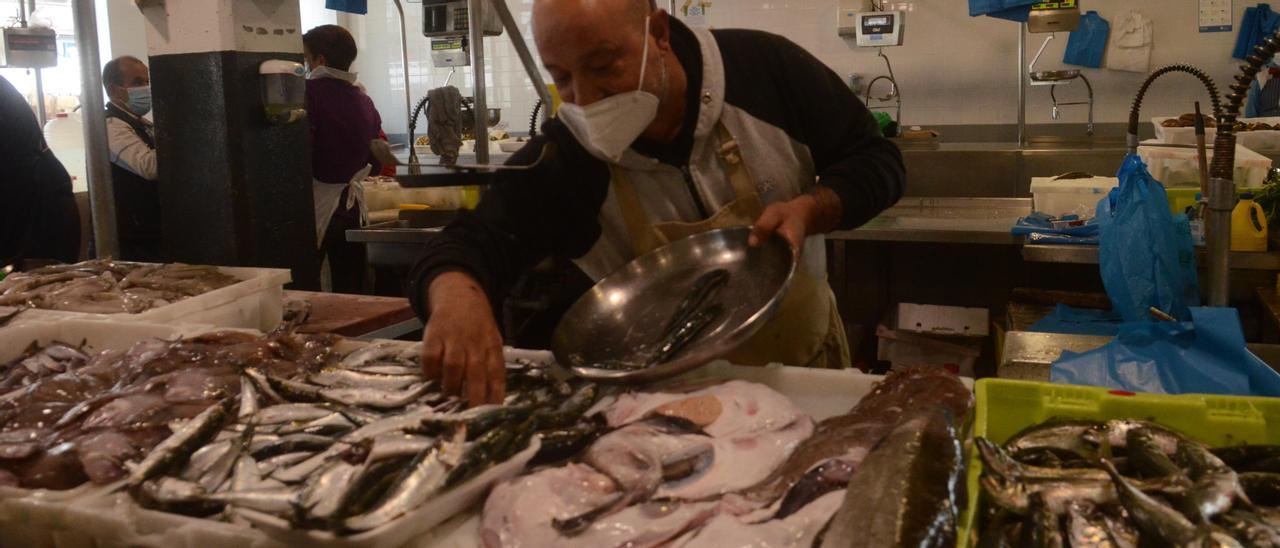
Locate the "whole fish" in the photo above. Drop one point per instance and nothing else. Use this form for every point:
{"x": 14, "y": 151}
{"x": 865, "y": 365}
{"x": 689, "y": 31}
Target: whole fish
{"x": 280, "y": 501}
{"x": 1045, "y": 531}
{"x": 382, "y": 399}
{"x": 1250, "y": 529}
{"x": 1086, "y": 528}
{"x": 1115, "y": 433}
{"x": 849, "y": 437}
{"x": 322, "y": 495}
{"x": 1160, "y": 522}
{"x": 914, "y": 472}
{"x": 1243, "y": 457}
{"x": 996, "y": 461}
{"x": 249, "y": 399}
{"x": 1062, "y": 434}
{"x": 1148, "y": 457}
{"x": 349, "y": 378}
{"x": 176, "y": 448}
{"x": 426, "y": 475}
{"x": 1262, "y": 488}
{"x": 1216, "y": 485}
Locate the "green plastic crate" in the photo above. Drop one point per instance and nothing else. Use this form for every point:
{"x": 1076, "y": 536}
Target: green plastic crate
{"x": 1005, "y": 407}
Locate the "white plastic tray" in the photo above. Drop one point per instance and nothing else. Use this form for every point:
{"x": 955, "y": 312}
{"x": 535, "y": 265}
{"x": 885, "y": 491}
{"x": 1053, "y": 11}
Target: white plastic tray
{"x": 255, "y": 302}
{"x": 1254, "y": 140}
{"x": 92, "y": 517}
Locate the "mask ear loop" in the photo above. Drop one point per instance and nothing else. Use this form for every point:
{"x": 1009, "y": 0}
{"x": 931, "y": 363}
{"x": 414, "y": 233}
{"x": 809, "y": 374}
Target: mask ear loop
{"x": 644, "y": 56}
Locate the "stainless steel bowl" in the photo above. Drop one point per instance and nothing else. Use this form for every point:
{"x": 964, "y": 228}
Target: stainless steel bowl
{"x": 629, "y": 309}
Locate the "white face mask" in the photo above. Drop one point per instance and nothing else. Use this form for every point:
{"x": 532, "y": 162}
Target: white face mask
{"x": 606, "y": 128}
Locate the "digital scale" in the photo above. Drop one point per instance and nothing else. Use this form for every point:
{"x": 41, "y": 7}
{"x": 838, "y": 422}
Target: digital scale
{"x": 27, "y": 47}
{"x": 1062, "y": 16}
{"x": 873, "y": 28}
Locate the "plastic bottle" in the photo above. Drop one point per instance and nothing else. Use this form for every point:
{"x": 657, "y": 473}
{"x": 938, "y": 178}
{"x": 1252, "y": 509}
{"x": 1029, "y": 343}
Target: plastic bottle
{"x": 1195, "y": 214}
{"x": 65, "y": 136}
{"x": 1248, "y": 225}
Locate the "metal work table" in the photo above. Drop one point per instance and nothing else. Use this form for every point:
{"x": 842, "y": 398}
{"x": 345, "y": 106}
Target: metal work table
{"x": 391, "y": 244}
{"x": 1028, "y": 356}
{"x": 985, "y": 221}
{"x": 1080, "y": 254}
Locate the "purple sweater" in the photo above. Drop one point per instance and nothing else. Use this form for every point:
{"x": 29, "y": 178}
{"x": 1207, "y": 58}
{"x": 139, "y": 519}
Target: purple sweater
{"x": 343, "y": 121}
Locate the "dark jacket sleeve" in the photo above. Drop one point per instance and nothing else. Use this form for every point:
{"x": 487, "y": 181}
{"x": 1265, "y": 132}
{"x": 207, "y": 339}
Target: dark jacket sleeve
{"x": 816, "y": 107}
{"x": 526, "y": 216}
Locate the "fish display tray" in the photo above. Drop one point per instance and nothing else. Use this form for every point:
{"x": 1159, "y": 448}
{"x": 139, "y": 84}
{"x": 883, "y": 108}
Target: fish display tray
{"x": 255, "y": 302}
{"x": 1005, "y": 407}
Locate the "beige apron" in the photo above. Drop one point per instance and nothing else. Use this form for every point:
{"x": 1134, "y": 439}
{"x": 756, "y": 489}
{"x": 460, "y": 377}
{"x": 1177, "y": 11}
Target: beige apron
{"x": 807, "y": 330}
{"x": 328, "y": 195}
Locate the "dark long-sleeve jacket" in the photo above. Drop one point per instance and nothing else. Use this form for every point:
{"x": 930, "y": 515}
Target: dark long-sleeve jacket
{"x": 795, "y": 120}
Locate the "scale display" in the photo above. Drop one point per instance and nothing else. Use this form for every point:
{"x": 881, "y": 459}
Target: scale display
{"x": 1061, "y": 5}
{"x": 879, "y": 29}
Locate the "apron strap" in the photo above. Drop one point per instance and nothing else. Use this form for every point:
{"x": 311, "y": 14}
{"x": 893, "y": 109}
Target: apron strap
{"x": 735, "y": 169}
{"x": 633, "y": 215}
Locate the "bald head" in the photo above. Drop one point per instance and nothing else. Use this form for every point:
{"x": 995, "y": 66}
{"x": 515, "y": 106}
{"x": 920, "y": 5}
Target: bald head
{"x": 594, "y": 48}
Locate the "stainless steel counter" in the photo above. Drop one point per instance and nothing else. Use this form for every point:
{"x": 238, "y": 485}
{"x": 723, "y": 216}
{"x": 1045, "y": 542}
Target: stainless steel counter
{"x": 944, "y": 220}
{"x": 391, "y": 244}
{"x": 1028, "y": 355}
{"x": 1080, "y": 254}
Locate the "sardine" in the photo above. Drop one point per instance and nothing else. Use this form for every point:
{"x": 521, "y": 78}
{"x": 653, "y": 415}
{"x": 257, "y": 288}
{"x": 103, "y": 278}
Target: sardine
{"x": 349, "y": 378}
{"x": 1115, "y": 433}
{"x": 1148, "y": 457}
{"x": 1263, "y": 488}
{"x": 271, "y": 446}
{"x": 321, "y": 496}
{"x": 426, "y": 476}
{"x": 221, "y": 468}
{"x": 1062, "y": 434}
{"x": 371, "y": 353}
{"x": 1085, "y": 528}
{"x": 280, "y": 502}
{"x": 1046, "y": 531}
{"x": 382, "y": 399}
{"x": 996, "y": 461}
{"x": 1250, "y": 529}
{"x": 181, "y": 444}
{"x": 398, "y": 445}
{"x": 703, "y": 291}
{"x": 1216, "y": 485}
{"x": 249, "y": 404}
{"x": 293, "y": 412}
{"x": 1161, "y": 522}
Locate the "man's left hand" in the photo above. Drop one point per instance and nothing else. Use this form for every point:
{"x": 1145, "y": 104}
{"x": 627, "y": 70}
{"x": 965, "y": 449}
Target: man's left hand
{"x": 813, "y": 212}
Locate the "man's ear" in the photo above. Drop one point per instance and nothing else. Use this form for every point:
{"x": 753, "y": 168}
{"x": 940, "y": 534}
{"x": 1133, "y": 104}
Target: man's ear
{"x": 660, "y": 28}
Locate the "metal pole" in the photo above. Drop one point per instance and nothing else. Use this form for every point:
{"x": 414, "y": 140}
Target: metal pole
{"x": 475, "y": 11}
{"x": 1217, "y": 222}
{"x": 408, "y": 98}
{"x": 23, "y": 22}
{"x": 1022, "y": 84}
{"x": 101, "y": 197}
{"x": 522, "y": 50}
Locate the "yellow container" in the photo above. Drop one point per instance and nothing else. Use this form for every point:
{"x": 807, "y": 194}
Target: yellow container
{"x": 1248, "y": 226}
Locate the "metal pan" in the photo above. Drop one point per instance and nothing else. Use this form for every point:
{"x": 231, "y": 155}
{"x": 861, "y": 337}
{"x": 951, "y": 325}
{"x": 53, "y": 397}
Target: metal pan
{"x": 629, "y": 309}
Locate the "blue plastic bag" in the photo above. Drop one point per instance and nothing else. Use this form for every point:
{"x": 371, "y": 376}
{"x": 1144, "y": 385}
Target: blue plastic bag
{"x": 1088, "y": 41}
{"x": 350, "y": 6}
{"x": 1013, "y": 10}
{"x": 1205, "y": 356}
{"x": 1079, "y": 321}
{"x": 1145, "y": 262}
{"x": 1038, "y": 229}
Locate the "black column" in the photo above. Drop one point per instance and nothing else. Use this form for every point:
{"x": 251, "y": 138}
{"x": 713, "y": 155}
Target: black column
{"x": 234, "y": 189}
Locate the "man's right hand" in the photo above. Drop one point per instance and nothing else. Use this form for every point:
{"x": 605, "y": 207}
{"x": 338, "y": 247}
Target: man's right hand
{"x": 461, "y": 345}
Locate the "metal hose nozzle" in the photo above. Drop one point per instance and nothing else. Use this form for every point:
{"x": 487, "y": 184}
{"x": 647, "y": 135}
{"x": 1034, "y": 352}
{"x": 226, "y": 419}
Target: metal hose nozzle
{"x": 1142, "y": 92}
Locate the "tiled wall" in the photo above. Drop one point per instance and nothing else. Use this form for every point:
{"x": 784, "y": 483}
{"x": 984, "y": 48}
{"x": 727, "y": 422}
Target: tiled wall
{"x": 953, "y": 69}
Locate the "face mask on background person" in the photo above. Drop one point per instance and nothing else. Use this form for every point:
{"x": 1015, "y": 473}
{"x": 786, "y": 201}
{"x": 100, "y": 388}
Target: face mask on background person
{"x": 139, "y": 102}
{"x": 608, "y": 127}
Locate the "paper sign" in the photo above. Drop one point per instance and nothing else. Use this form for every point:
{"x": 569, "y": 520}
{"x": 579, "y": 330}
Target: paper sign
{"x": 1215, "y": 15}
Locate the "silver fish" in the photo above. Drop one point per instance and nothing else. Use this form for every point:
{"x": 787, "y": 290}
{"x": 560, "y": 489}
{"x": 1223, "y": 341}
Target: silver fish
{"x": 275, "y": 502}
{"x": 426, "y": 476}
{"x": 171, "y": 490}
{"x": 348, "y": 378}
{"x": 332, "y": 421}
{"x": 246, "y": 475}
{"x": 1161, "y": 522}
{"x": 292, "y": 412}
{"x": 381, "y": 399}
{"x": 267, "y": 466}
{"x": 398, "y": 445}
{"x": 1216, "y": 486}
{"x": 323, "y": 496}
{"x": 182, "y": 443}
{"x": 221, "y": 468}
{"x": 202, "y": 460}
{"x": 248, "y": 399}
{"x": 372, "y": 352}
{"x": 397, "y": 423}
{"x": 390, "y": 369}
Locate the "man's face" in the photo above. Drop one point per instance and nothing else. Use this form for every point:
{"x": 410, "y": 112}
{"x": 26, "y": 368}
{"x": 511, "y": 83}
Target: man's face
{"x": 135, "y": 74}
{"x": 312, "y": 60}
{"x": 594, "y": 48}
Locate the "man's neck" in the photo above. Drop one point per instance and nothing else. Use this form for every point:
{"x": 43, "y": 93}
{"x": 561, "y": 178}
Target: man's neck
{"x": 126, "y": 110}
{"x": 670, "y": 118}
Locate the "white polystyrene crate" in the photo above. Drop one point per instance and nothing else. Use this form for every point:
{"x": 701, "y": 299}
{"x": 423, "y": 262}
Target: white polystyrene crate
{"x": 255, "y": 302}
{"x": 1179, "y": 167}
{"x": 1059, "y": 197}
{"x": 1253, "y": 140}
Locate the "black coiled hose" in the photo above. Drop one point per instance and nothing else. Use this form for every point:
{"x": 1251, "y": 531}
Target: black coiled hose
{"x": 1142, "y": 91}
{"x": 413, "y": 119}
{"x": 533, "y": 119}
{"x": 1224, "y": 145}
